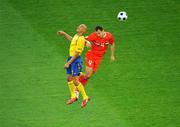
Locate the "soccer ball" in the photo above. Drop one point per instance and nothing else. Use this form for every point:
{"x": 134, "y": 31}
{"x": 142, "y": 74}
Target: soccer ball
{"x": 122, "y": 16}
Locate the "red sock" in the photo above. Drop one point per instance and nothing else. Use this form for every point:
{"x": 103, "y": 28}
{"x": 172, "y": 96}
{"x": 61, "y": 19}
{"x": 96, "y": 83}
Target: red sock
{"x": 83, "y": 80}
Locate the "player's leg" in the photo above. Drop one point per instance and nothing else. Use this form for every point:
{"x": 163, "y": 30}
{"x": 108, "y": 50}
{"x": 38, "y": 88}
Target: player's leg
{"x": 77, "y": 68}
{"x": 97, "y": 62}
{"x": 71, "y": 86}
{"x": 85, "y": 77}
{"x": 81, "y": 89}
{"x": 89, "y": 70}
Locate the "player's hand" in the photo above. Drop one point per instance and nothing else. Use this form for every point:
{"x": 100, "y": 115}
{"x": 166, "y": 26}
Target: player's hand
{"x": 88, "y": 44}
{"x": 61, "y": 33}
{"x": 112, "y": 59}
{"x": 66, "y": 65}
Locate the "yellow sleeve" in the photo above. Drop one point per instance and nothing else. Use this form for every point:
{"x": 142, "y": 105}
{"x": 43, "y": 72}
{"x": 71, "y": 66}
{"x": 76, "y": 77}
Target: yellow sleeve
{"x": 80, "y": 44}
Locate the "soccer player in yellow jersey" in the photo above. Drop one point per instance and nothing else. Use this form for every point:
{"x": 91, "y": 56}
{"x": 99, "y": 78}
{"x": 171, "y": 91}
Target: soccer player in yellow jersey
{"x": 74, "y": 64}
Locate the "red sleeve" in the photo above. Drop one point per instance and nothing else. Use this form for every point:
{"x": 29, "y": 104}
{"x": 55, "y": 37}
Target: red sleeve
{"x": 111, "y": 40}
{"x": 90, "y": 37}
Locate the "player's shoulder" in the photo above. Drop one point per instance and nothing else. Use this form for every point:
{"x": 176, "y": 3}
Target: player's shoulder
{"x": 91, "y": 35}
{"x": 109, "y": 34}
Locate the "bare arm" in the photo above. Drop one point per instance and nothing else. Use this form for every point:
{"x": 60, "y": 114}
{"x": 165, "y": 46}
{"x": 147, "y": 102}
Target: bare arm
{"x": 71, "y": 60}
{"x": 88, "y": 44}
{"x": 73, "y": 57}
{"x": 67, "y": 36}
{"x": 112, "y": 52}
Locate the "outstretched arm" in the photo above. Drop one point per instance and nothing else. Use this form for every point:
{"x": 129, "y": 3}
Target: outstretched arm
{"x": 67, "y": 36}
{"x": 112, "y": 52}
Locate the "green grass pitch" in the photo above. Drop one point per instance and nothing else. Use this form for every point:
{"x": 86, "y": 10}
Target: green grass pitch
{"x": 141, "y": 89}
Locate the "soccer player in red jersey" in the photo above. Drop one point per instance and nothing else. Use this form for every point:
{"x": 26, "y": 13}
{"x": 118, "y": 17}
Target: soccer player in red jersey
{"x": 98, "y": 42}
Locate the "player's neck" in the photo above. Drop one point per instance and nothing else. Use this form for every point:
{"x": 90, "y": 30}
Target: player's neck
{"x": 79, "y": 34}
{"x": 104, "y": 35}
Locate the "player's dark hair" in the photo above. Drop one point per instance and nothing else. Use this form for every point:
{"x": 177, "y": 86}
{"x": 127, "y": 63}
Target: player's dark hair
{"x": 99, "y": 28}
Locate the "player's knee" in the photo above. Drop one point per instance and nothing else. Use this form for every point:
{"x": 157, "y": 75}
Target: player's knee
{"x": 69, "y": 78}
{"x": 76, "y": 82}
{"x": 88, "y": 75}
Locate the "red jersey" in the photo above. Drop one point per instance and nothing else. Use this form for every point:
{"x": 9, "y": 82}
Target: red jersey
{"x": 100, "y": 45}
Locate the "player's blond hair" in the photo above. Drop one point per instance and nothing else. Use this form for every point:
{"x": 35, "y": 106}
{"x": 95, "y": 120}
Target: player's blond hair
{"x": 84, "y": 26}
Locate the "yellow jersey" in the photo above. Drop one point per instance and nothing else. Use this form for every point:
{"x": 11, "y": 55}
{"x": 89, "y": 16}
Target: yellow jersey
{"x": 77, "y": 45}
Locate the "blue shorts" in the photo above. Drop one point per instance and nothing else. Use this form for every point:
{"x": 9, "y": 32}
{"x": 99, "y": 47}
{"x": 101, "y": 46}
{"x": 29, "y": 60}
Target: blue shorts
{"x": 75, "y": 67}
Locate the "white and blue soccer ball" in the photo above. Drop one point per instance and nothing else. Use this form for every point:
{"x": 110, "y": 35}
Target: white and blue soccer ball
{"x": 122, "y": 16}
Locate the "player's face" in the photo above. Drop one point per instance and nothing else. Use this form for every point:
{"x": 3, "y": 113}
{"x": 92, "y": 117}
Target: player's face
{"x": 100, "y": 33}
{"x": 80, "y": 29}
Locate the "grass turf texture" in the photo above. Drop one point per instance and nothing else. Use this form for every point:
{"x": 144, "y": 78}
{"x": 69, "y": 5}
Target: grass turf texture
{"x": 141, "y": 89}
